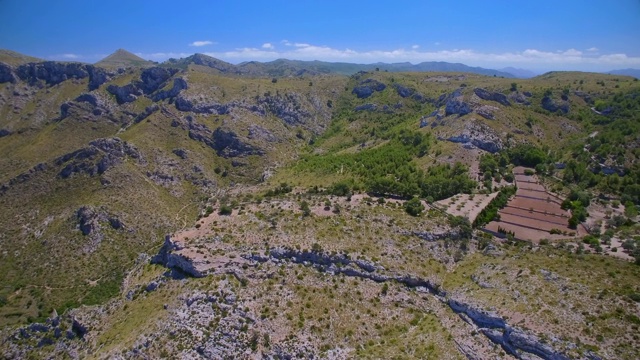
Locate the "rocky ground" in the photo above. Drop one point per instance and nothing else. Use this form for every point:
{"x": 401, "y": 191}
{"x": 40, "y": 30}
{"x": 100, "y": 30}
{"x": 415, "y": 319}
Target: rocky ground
{"x": 254, "y": 284}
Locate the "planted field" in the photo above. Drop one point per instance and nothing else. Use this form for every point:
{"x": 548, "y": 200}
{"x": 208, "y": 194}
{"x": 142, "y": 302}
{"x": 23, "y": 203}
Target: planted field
{"x": 533, "y": 213}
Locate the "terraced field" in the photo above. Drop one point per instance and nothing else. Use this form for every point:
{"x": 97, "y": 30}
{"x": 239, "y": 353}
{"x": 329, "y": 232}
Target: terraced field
{"x": 534, "y": 213}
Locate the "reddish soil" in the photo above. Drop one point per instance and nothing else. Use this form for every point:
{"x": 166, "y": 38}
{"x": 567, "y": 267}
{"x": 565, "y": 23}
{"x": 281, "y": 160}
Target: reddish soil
{"x": 530, "y": 186}
{"x": 533, "y": 212}
{"x": 531, "y": 223}
{"x": 538, "y": 205}
{"x": 558, "y": 220}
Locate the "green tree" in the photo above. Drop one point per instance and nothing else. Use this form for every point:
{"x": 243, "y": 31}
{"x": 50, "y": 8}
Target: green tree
{"x": 414, "y": 207}
{"x": 304, "y": 206}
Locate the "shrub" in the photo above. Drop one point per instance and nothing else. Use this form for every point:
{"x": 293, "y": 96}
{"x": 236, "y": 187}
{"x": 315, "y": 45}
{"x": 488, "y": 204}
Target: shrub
{"x": 225, "y": 210}
{"x": 414, "y": 207}
{"x": 304, "y": 206}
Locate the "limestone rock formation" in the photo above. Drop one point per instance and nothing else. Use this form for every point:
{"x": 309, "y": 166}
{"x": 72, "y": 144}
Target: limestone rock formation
{"x": 367, "y": 87}
{"x": 98, "y": 157}
{"x": 552, "y": 105}
{"x": 6, "y": 74}
{"x": 487, "y": 111}
{"x": 227, "y": 144}
{"x": 492, "y": 96}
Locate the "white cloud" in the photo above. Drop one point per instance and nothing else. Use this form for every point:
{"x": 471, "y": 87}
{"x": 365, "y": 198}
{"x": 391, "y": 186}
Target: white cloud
{"x": 201, "y": 43}
{"x": 572, "y": 52}
{"x": 415, "y": 47}
{"x": 593, "y": 49}
{"x": 268, "y": 46}
{"x": 66, "y": 57}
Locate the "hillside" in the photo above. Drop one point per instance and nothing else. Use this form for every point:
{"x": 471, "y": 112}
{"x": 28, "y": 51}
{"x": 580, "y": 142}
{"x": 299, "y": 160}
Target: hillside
{"x": 281, "y": 210}
{"x": 14, "y": 58}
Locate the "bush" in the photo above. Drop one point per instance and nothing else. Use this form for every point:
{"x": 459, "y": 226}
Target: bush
{"x": 225, "y": 210}
{"x": 414, "y": 207}
{"x": 304, "y": 206}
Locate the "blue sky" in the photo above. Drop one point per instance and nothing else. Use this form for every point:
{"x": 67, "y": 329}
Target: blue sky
{"x": 539, "y": 35}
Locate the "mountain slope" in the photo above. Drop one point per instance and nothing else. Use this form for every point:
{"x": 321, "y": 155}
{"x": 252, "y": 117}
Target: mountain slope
{"x": 13, "y": 58}
{"x": 285, "y": 196}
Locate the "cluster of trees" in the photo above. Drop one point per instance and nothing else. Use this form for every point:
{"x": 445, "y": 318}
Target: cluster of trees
{"x": 490, "y": 212}
{"x": 577, "y": 202}
{"x": 389, "y": 170}
{"x": 527, "y": 155}
{"x": 281, "y": 189}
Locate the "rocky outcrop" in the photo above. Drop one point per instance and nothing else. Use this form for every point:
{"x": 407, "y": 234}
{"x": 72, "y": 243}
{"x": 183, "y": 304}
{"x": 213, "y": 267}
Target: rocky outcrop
{"x": 6, "y": 74}
{"x": 187, "y": 105}
{"x": 492, "y": 96}
{"x": 457, "y": 106}
{"x": 515, "y": 342}
{"x": 287, "y": 107}
{"x": 552, "y": 105}
{"x": 257, "y": 132}
{"x": 435, "y": 236}
{"x": 404, "y": 91}
{"x": 181, "y": 153}
{"x": 479, "y": 135}
{"x": 585, "y": 96}
{"x": 53, "y": 73}
{"x": 88, "y": 106}
{"x": 435, "y": 115}
{"x": 227, "y": 144}
{"x": 208, "y": 61}
{"x": 444, "y": 98}
{"x": 98, "y": 157}
{"x": 91, "y": 221}
{"x": 179, "y": 84}
{"x": 146, "y": 113}
{"x": 512, "y": 340}
{"x": 519, "y": 98}
{"x": 168, "y": 256}
{"x": 97, "y": 77}
{"x": 150, "y": 81}
{"x": 480, "y": 317}
{"x": 366, "y": 107}
{"x": 154, "y": 78}
{"x": 487, "y": 111}
{"x": 124, "y": 94}
{"x": 367, "y": 87}
{"x": 24, "y": 177}
{"x": 454, "y": 103}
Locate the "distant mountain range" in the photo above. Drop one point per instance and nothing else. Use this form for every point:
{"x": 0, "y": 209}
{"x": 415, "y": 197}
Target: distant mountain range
{"x": 520, "y": 73}
{"x": 282, "y": 67}
{"x": 626, "y": 72}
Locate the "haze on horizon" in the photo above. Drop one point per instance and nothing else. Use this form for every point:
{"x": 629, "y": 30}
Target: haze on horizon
{"x": 538, "y": 36}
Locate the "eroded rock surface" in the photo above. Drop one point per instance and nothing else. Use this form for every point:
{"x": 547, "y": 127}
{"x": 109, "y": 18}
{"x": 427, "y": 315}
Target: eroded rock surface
{"x": 492, "y": 96}
{"x": 98, "y": 157}
{"x": 367, "y": 87}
